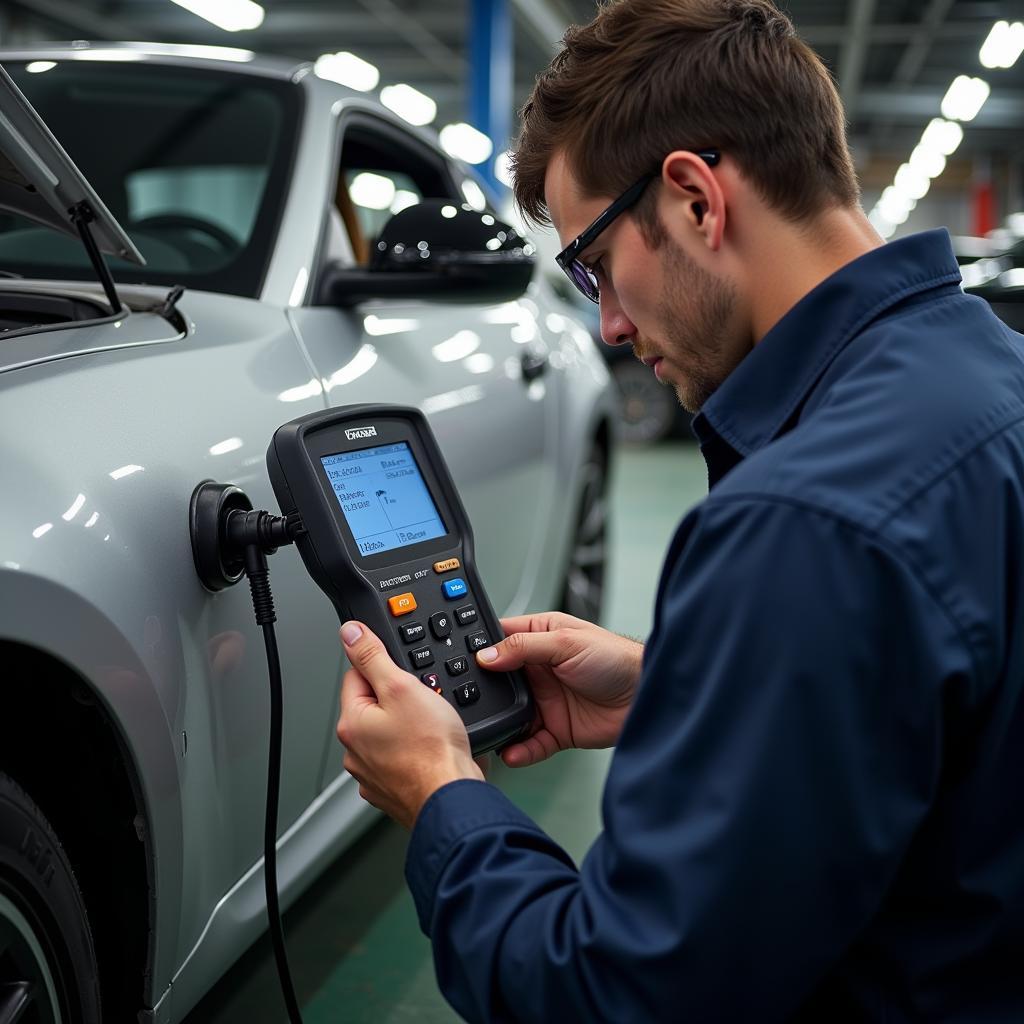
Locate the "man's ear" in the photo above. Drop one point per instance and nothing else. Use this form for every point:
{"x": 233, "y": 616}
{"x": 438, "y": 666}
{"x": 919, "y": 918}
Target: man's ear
{"x": 694, "y": 196}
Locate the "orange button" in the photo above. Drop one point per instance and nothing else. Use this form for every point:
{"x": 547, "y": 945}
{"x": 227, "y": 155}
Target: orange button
{"x": 402, "y": 604}
{"x": 447, "y": 565}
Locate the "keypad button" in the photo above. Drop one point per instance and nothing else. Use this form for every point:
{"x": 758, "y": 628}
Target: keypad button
{"x": 467, "y": 693}
{"x": 433, "y": 680}
{"x": 441, "y": 625}
{"x": 457, "y": 666}
{"x": 412, "y": 632}
{"x": 477, "y": 641}
{"x": 421, "y": 657}
{"x": 402, "y": 604}
{"x": 448, "y": 565}
{"x": 454, "y": 588}
{"x": 465, "y": 615}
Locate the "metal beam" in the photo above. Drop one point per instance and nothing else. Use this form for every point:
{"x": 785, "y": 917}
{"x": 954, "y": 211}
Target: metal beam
{"x": 919, "y": 104}
{"x": 285, "y": 23}
{"x": 543, "y": 22}
{"x": 854, "y": 52}
{"x": 914, "y": 57}
{"x": 421, "y": 39}
{"x": 917, "y": 52}
{"x": 83, "y": 20}
{"x": 836, "y": 35}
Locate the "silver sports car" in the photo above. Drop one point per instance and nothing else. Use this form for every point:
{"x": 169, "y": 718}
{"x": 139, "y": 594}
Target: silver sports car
{"x": 240, "y": 205}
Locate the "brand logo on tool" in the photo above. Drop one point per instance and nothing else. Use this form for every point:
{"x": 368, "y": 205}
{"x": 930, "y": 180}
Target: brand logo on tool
{"x": 357, "y": 432}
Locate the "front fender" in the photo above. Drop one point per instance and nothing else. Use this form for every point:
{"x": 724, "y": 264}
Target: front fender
{"x": 43, "y": 614}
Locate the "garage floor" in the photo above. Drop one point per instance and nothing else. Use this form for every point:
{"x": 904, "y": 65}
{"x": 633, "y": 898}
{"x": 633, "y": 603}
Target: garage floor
{"x": 355, "y": 948}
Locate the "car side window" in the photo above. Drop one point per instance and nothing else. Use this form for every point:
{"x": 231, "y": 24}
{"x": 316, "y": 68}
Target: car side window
{"x": 380, "y": 173}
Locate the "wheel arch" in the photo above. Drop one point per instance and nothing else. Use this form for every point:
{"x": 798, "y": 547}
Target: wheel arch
{"x": 65, "y": 661}
{"x": 87, "y": 785}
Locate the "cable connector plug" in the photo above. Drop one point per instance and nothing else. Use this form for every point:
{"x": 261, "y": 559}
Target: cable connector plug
{"x": 256, "y": 526}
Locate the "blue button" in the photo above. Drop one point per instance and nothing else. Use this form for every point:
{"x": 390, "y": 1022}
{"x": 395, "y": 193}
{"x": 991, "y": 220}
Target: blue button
{"x": 454, "y": 588}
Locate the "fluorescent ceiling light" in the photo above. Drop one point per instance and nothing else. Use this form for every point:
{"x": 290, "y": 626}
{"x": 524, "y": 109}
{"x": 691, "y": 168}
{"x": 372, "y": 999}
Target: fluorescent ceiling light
{"x": 1003, "y": 46}
{"x": 942, "y": 136}
{"x": 964, "y": 98}
{"x": 347, "y": 69}
{"x": 927, "y": 162}
{"x": 372, "y": 191}
{"x": 37, "y": 67}
{"x": 503, "y": 168}
{"x": 230, "y": 15}
{"x": 883, "y": 226}
{"x": 895, "y": 205}
{"x": 912, "y": 183}
{"x": 416, "y": 107}
{"x": 464, "y": 142}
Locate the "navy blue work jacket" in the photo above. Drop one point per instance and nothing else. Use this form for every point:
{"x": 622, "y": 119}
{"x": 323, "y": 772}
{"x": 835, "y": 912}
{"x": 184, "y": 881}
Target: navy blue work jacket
{"x": 815, "y": 811}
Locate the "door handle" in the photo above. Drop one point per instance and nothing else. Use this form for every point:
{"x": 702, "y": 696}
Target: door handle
{"x": 533, "y": 365}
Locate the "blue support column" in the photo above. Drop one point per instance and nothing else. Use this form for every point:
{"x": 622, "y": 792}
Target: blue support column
{"x": 490, "y": 78}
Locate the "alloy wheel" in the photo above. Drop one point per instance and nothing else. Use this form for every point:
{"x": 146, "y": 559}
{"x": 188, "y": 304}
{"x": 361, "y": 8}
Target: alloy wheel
{"x": 28, "y": 993}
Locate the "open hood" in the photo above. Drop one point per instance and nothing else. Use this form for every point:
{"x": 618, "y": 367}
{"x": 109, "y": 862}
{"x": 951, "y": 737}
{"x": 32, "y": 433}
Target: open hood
{"x": 39, "y": 180}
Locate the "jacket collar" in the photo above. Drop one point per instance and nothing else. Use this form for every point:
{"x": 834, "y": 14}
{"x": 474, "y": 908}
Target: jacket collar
{"x": 758, "y": 398}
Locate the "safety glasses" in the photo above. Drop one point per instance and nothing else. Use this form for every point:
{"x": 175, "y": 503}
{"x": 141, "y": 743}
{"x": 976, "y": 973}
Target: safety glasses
{"x": 568, "y": 259}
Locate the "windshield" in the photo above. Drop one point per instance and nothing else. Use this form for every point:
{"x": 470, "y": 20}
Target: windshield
{"x": 192, "y": 163}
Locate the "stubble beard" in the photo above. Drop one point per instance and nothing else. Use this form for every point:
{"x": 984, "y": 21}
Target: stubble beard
{"x": 696, "y": 311}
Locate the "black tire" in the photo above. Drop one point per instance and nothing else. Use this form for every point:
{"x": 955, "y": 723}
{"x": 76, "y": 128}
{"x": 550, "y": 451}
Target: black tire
{"x": 648, "y": 410}
{"x": 47, "y": 959}
{"x": 583, "y": 589}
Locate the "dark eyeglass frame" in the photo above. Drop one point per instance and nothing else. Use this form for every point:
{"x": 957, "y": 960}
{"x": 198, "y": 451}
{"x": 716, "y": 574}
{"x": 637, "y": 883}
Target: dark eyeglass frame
{"x": 573, "y": 267}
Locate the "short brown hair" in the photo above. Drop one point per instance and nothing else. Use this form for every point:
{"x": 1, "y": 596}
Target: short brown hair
{"x": 647, "y": 77}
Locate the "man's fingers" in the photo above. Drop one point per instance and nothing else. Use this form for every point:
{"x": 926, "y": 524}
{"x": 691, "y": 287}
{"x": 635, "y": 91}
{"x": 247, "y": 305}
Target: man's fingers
{"x": 370, "y": 657}
{"x": 520, "y": 649}
{"x": 356, "y": 695}
{"x": 538, "y": 622}
{"x": 538, "y": 747}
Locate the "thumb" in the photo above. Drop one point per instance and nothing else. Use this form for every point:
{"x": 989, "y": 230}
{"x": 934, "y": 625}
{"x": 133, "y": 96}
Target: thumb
{"x": 370, "y": 657}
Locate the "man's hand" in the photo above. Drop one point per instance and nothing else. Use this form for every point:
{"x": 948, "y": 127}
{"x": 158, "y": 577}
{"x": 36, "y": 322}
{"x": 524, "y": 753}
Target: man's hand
{"x": 402, "y": 741}
{"x": 582, "y": 678}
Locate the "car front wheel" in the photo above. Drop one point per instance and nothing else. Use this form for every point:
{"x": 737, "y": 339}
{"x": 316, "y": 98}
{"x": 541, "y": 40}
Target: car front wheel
{"x": 583, "y": 591}
{"x": 47, "y": 961}
{"x": 648, "y": 410}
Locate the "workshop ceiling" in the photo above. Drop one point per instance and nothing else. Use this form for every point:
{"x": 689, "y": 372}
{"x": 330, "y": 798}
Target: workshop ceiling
{"x": 893, "y": 60}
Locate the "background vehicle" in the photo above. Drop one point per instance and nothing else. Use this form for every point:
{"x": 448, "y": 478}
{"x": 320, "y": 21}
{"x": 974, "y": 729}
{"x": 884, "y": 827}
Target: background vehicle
{"x": 133, "y": 705}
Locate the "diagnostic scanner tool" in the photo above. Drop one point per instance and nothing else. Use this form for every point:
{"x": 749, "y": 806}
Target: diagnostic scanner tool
{"x": 385, "y": 536}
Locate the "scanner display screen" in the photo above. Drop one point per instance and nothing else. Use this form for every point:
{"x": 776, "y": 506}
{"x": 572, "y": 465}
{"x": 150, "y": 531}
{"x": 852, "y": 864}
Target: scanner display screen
{"x": 383, "y": 497}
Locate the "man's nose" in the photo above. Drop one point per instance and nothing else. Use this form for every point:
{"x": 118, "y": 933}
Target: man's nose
{"x": 616, "y": 327}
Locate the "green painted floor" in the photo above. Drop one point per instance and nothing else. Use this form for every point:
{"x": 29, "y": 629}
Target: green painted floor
{"x": 356, "y": 951}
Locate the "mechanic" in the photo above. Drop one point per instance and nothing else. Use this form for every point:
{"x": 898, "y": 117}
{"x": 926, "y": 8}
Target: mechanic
{"x": 813, "y": 812}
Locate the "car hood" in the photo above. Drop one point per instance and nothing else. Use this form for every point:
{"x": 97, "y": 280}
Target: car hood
{"x": 39, "y": 180}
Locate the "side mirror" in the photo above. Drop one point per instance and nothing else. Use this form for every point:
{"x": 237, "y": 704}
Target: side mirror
{"x": 437, "y": 250}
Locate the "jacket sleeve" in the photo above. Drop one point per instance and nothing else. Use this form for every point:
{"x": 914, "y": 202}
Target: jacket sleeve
{"x": 784, "y": 744}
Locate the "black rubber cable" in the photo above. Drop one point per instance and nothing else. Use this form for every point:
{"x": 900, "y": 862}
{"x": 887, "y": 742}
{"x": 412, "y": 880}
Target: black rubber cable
{"x": 257, "y": 570}
{"x": 270, "y": 831}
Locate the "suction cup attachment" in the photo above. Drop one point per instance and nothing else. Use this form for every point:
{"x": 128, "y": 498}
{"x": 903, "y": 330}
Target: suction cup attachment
{"x": 217, "y": 567}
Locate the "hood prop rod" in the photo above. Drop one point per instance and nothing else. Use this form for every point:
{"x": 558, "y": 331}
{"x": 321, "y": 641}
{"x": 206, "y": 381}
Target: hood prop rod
{"x": 82, "y": 216}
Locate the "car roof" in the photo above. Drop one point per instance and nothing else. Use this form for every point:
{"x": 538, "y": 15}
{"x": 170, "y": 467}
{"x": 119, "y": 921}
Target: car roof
{"x": 222, "y": 57}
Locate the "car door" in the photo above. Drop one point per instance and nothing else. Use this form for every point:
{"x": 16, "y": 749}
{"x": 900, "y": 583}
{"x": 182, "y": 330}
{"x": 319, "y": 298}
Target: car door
{"x": 476, "y": 370}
